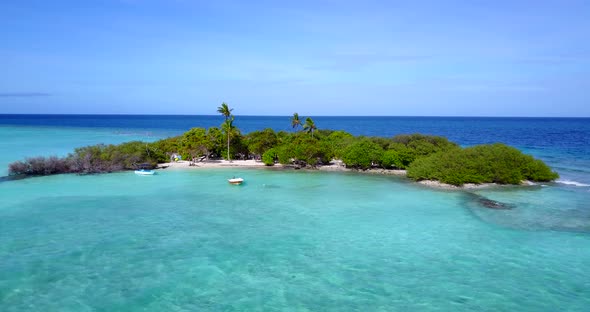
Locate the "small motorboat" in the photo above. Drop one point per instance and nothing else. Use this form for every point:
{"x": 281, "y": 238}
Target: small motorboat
{"x": 235, "y": 181}
{"x": 144, "y": 172}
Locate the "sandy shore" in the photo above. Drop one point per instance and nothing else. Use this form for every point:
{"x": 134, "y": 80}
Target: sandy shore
{"x": 334, "y": 167}
{"x": 183, "y": 164}
{"x": 467, "y": 186}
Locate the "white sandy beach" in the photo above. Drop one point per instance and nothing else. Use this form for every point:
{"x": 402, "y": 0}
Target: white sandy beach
{"x": 335, "y": 165}
{"x": 185, "y": 164}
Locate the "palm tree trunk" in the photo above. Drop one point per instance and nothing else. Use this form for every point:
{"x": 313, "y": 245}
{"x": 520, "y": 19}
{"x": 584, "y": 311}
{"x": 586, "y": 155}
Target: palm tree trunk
{"x": 228, "y": 146}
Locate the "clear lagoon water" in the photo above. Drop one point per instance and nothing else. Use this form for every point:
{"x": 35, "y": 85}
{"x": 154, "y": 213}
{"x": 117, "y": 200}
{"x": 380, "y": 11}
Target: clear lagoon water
{"x": 291, "y": 240}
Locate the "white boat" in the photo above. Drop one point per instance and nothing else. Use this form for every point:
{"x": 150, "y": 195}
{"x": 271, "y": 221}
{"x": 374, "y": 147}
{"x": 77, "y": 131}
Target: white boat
{"x": 144, "y": 172}
{"x": 235, "y": 181}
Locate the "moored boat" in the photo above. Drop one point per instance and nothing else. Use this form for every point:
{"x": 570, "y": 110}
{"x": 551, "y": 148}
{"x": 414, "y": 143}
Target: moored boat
{"x": 144, "y": 172}
{"x": 235, "y": 181}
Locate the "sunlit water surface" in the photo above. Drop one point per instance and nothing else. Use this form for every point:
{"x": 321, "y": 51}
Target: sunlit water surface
{"x": 291, "y": 240}
{"x": 283, "y": 241}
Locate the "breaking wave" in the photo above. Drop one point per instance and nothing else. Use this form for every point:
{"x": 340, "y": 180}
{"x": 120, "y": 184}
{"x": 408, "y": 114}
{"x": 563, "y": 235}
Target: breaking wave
{"x": 572, "y": 183}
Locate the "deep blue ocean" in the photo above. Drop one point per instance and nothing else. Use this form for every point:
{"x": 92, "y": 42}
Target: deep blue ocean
{"x": 291, "y": 240}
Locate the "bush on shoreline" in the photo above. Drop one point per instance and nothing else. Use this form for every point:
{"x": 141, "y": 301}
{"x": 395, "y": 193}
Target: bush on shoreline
{"x": 491, "y": 163}
{"x": 91, "y": 159}
{"x": 39, "y": 166}
{"x": 362, "y": 154}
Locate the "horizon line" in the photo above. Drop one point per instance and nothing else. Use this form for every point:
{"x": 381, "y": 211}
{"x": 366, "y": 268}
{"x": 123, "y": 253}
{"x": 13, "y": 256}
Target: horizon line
{"x": 247, "y": 115}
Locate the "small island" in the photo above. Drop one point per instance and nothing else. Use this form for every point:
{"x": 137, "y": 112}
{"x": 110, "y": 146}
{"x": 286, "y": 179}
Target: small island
{"x": 422, "y": 157}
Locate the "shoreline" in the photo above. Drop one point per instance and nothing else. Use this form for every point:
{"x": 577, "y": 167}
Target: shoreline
{"x": 335, "y": 166}
{"x": 185, "y": 164}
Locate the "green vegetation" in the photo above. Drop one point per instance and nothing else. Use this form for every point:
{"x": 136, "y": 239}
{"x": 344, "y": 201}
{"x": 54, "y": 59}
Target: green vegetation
{"x": 92, "y": 159}
{"x": 295, "y": 121}
{"x": 391, "y": 159}
{"x": 410, "y": 147}
{"x": 362, "y": 154}
{"x": 495, "y": 163}
{"x": 309, "y": 126}
{"x": 425, "y": 157}
{"x": 270, "y": 157}
{"x": 225, "y": 111}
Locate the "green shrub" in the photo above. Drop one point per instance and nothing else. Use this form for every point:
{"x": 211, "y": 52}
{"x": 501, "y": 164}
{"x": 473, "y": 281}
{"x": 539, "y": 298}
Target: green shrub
{"x": 412, "y": 146}
{"x": 493, "y": 163}
{"x": 338, "y": 141}
{"x": 258, "y": 142}
{"x": 391, "y": 159}
{"x": 269, "y": 157}
{"x": 193, "y": 143}
{"x": 362, "y": 154}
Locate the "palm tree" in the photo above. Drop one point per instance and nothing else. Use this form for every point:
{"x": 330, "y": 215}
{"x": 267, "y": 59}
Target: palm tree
{"x": 225, "y": 111}
{"x": 295, "y": 121}
{"x": 309, "y": 126}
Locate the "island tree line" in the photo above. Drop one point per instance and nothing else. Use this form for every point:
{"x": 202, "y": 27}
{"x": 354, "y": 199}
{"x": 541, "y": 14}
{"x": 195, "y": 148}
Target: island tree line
{"x": 425, "y": 157}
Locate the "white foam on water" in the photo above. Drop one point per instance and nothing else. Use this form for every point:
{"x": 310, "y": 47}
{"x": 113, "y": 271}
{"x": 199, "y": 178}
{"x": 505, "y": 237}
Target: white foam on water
{"x": 573, "y": 183}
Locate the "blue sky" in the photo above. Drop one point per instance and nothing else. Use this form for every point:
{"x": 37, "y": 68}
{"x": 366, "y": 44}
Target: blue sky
{"x": 409, "y": 58}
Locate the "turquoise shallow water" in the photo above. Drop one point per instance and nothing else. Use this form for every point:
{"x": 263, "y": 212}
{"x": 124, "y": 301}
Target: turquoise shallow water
{"x": 288, "y": 240}
{"x": 284, "y": 241}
